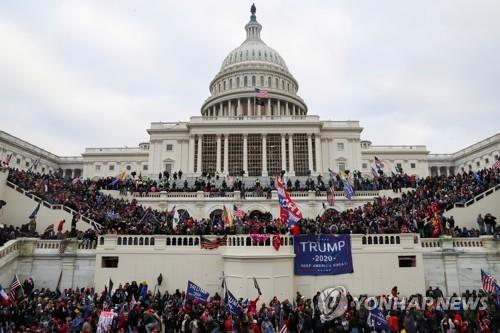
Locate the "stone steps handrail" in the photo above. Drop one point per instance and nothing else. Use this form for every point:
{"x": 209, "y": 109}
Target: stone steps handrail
{"x": 15, "y": 247}
{"x": 448, "y": 242}
{"x": 475, "y": 199}
{"x": 51, "y": 206}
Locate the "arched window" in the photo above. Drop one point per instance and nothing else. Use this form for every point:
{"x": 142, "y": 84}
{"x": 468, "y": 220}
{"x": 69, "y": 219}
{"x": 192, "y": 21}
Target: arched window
{"x": 261, "y": 81}
{"x": 237, "y": 82}
{"x": 253, "y": 81}
{"x": 277, "y": 83}
{"x": 245, "y": 81}
{"x": 283, "y": 84}
{"x": 224, "y": 85}
{"x": 230, "y": 83}
{"x": 269, "y": 81}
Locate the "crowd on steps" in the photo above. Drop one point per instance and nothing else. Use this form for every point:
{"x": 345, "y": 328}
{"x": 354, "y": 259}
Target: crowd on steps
{"x": 419, "y": 210}
{"x": 136, "y": 307}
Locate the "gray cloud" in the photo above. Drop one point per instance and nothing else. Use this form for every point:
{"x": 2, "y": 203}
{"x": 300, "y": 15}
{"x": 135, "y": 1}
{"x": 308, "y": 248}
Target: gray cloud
{"x": 94, "y": 73}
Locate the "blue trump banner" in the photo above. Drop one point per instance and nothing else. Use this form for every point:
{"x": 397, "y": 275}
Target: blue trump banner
{"x": 232, "y": 303}
{"x": 322, "y": 254}
{"x": 195, "y": 292}
{"x": 377, "y": 320}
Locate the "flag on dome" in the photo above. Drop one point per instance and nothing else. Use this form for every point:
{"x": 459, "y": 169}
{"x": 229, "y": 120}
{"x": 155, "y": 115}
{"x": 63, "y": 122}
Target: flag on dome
{"x": 260, "y": 96}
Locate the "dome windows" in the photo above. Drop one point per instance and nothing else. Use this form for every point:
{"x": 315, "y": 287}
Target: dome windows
{"x": 253, "y": 81}
{"x": 245, "y": 81}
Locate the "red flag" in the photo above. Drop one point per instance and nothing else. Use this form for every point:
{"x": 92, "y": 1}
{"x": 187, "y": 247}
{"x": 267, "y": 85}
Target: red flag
{"x": 60, "y": 225}
{"x": 276, "y": 241}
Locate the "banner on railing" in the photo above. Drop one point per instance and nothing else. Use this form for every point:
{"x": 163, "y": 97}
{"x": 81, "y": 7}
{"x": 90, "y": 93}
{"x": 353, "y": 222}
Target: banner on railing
{"x": 323, "y": 254}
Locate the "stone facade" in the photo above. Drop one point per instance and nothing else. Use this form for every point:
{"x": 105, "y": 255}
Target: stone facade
{"x": 453, "y": 264}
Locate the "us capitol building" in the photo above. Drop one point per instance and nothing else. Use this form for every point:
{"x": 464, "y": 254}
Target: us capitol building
{"x": 238, "y": 133}
{"x": 233, "y": 134}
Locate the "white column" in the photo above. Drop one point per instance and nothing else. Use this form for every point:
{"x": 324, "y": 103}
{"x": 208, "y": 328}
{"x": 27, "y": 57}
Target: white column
{"x": 238, "y": 109}
{"x": 310, "y": 152}
{"x": 286, "y": 109}
{"x": 218, "y": 163}
{"x": 249, "y": 110}
{"x": 198, "y": 168}
{"x": 268, "y": 112}
{"x": 220, "y": 110}
{"x": 317, "y": 143}
{"x": 245, "y": 153}
{"x": 279, "y": 108}
{"x": 283, "y": 152}
{"x": 228, "y": 113}
{"x": 226, "y": 154}
{"x": 290, "y": 153}
{"x": 191, "y": 154}
{"x": 264, "y": 155}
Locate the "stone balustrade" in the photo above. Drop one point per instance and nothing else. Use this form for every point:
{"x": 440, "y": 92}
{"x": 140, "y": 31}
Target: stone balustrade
{"x": 470, "y": 244}
{"x": 249, "y": 195}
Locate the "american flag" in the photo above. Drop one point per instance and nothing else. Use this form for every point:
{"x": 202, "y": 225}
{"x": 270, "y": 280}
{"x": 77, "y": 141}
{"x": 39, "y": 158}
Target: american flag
{"x": 238, "y": 212}
{"x": 489, "y": 282}
{"x": 333, "y": 174}
{"x": 496, "y": 165}
{"x": 211, "y": 245}
{"x": 13, "y": 288}
{"x": 261, "y": 93}
{"x": 378, "y": 163}
{"x": 284, "y": 329}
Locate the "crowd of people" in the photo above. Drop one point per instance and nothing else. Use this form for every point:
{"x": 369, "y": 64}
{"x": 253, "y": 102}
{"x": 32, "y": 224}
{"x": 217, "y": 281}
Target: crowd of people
{"x": 134, "y": 307}
{"x": 419, "y": 210}
{"x": 222, "y": 184}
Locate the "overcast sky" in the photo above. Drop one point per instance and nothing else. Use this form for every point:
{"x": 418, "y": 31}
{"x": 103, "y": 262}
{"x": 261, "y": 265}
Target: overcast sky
{"x": 76, "y": 74}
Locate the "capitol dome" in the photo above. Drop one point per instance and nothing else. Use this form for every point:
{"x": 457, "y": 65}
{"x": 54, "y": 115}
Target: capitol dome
{"x": 251, "y": 67}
